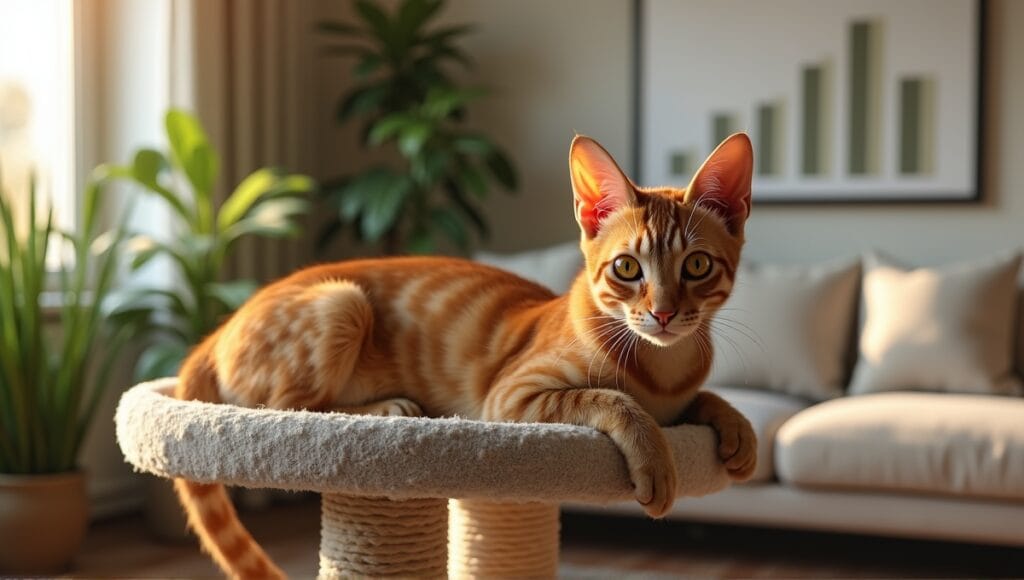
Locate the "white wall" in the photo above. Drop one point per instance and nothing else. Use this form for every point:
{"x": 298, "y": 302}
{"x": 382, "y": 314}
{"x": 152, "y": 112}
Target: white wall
{"x": 566, "y": 65}
{"x": 557, "y": 68}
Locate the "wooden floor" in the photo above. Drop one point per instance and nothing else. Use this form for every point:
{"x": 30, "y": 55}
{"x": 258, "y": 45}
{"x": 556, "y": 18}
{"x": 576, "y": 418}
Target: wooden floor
{"x": 592, "y": 547}
{"x": 708, "y": 551}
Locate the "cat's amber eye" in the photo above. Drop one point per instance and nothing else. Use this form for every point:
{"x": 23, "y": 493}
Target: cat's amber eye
{"x": 627, "y": 268}
{"x": 697, "y": 266}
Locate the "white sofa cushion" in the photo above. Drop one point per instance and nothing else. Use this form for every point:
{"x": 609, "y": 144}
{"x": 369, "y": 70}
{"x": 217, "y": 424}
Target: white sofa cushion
{"x": 788, "y": 329}
{"x": 766, "y": 413}
{"x": 969, "y": 445}
{"x": 554, "y": 267}
{"x": 943, "y": 329}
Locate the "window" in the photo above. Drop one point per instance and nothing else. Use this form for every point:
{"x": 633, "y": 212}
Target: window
{"x": 37, "y": 103}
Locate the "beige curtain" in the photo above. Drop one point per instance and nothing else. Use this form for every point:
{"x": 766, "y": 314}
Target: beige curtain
{"x": 245, "y": 67}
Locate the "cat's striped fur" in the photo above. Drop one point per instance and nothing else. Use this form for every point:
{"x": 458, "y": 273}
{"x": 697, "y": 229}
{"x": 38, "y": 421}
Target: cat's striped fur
{"x": 440, "y": 336}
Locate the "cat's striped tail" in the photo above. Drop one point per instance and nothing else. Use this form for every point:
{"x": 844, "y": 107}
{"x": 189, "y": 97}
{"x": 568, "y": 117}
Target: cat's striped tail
{"x": 209, "y": 509}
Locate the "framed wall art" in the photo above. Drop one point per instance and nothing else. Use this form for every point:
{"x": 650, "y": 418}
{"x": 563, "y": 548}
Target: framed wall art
{"x": 844, "y": 100}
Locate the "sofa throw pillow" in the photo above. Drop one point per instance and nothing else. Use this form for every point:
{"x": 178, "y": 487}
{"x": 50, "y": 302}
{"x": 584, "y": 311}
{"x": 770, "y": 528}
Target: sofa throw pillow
{"x": 554, "y": 267}
{"x": 788, "y": 329}
{"x": 938, "y": 329}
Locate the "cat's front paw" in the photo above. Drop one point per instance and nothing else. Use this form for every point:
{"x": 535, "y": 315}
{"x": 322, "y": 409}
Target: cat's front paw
{"x": 737, "y": 444}
{"x": 654, "y": 486}
{"x": 653, "y": 473}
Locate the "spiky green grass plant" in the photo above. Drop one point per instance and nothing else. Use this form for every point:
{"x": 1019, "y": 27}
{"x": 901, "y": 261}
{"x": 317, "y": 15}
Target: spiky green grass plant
{"x": 52, "y": 369}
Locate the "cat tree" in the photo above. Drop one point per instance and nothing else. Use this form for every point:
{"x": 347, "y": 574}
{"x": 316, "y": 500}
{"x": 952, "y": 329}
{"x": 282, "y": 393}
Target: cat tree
{"x": 386, "y": 482}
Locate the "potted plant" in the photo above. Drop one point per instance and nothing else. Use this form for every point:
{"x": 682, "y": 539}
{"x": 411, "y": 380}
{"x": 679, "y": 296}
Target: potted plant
{"x": 51, "y": 377}
{"x": 266, "y": 203}
{"x": 411, "y": 106}
{"x": 170, "y": 321}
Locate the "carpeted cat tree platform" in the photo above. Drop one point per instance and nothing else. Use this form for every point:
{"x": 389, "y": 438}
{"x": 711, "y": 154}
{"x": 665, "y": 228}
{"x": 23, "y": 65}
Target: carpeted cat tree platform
{"x": 386, "y": 482}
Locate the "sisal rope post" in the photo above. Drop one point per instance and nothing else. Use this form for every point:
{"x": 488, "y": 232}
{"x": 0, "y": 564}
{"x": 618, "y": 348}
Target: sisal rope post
{"x": 371, "y": 537}
{"x": 490, "y": 539}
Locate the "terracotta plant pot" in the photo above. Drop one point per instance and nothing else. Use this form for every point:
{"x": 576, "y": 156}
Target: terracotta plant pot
{"x": 42, "y": 522}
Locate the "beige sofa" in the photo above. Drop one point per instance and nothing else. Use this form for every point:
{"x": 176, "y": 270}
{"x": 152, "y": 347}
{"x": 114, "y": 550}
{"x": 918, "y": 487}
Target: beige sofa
{"x": 910, "y": 463}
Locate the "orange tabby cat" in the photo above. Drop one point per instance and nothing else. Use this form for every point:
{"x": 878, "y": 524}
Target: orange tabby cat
{"x": 624, "y": 351}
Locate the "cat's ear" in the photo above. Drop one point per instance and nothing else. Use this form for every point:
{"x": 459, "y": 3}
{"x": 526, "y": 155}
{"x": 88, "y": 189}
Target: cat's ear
{"x": 722, "y": 184}
{"x": 598, "y": 185}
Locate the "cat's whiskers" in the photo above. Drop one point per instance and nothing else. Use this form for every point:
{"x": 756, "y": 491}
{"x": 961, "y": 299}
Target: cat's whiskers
{"x": 637, "y": 345}
{"x": 603, "y": 348}
{"x": 728, "y": 331}
{"x": 586, "y": 334}
{"x": 740, "y": 355}
{"x": 703, "y": 345}
{"x": 624, "y": 356}
{"x": 602, "y": 338}
{"x": 599, "y": 317}
{"x": 623, "y": 359}
{"x": 727, "y": 327}
{"x": 599, "y": 329}
{"x": 739, "y": 327}
{"x": 623, "y": 337}
{"x": 618, "y": 361}
{"x": 610, "y": 321}
{"x": 609, "y": 348}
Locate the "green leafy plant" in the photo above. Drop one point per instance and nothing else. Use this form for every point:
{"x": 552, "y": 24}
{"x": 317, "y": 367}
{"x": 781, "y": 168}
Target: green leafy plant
{"x": 409, "y": 104}
{"x": 266, "y": 203}
{"x": 51, "y": 378}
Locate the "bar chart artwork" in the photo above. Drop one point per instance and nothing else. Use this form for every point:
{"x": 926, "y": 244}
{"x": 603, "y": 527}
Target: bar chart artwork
{"x": 858, "y": 100}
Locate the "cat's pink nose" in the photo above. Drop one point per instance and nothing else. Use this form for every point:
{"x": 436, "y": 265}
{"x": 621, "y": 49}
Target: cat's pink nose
{"x": 663, "y": 316}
